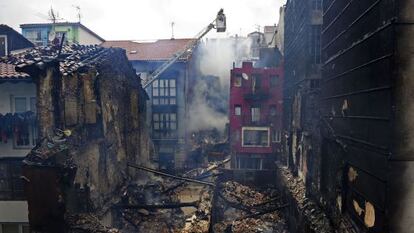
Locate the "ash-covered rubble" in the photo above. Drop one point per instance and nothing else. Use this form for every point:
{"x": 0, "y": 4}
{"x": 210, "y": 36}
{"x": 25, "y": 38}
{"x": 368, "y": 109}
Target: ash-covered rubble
{"x": 242, "y": 209}
{"x": 87, "y": 223}
{"x": 314, "y": 216}
{"x": 155, "y": 205}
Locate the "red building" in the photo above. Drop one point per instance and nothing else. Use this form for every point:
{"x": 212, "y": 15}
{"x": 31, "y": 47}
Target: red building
{"x": 256, "y": 107}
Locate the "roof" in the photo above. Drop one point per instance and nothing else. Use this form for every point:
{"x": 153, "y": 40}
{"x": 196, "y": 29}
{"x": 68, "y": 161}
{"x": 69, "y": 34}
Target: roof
{"x": 72, "y": 57}
{"x": 159, "y": 50}
{"x": 76, "y": 24}
{"x": 7, "y": 71}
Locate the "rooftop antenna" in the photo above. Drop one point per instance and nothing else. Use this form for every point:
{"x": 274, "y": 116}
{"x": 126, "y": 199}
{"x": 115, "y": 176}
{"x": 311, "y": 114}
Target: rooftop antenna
{"x": 54, "y": 15}
{"x": 79, "y": 12}
{"x": 172, "y": 30}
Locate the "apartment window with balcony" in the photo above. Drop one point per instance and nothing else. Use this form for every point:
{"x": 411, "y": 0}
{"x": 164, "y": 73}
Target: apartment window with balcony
{"x": 237, "y": 81}
{"x": 164, "y": 125}
{"x": 255, "y": 137}
{"x": 24, "y": 124}
{"x": 255, "y": 112}
{"x": 237, "y": 110}
{"x": 164, "y": 92}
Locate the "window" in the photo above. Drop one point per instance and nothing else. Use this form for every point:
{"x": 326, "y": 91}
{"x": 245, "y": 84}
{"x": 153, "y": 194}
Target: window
{"x": 237, "y": 110}
{"x": 164, "y": 124}
{"x": 237, "y": 80}
{"x": 20, "y": 104}
{"x": 276, "y": 136}
{"x": 255, "y": 137}
{"x": 25, "y": 127}
{"x": 3, "y": 45}
{"x": 255, "y": 111}
{"x": 256, "y": 82}
{"x": 34, "y": 35}
{"x": 14, "y": 228}
{"x": 11, "y": 185}
{"x": 273, "y": 110}
{"x": 164, "y": 92}
{"x": 274, "y": 79}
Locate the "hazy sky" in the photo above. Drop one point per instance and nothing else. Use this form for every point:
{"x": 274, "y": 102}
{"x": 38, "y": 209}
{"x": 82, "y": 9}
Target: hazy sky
{"x": 146, "y": 19}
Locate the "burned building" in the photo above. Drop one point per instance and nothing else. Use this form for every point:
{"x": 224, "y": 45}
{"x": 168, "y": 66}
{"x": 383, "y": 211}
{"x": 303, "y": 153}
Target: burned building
{"x": 91, "y": 117}
{"x": 168, "y": 108}
{"x": 302, "y": 27}
{"x": 366, "y": 109}
{"x": 255, "y": 113}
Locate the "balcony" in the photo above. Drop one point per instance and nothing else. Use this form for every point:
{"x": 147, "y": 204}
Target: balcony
{"x": 257, "y": 95}
{"x": 263, "y": 121}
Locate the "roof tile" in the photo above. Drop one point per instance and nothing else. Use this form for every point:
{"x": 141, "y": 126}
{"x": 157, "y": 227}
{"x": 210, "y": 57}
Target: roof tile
{"x": 7, "y": 71}
{"x": 159, "y": 50}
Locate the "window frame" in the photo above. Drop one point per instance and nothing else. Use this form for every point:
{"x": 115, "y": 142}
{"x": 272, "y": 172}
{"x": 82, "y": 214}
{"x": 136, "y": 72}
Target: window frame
{"x": 164, "y": 92}
{"x": 266, "y": 129}
{"x": 32, "y": 129}
{"x": 237, "y": 106}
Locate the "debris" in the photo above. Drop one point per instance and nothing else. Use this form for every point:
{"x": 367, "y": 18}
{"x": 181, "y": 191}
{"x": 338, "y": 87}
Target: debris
{"x": 87, "y": 223}
{"x": 245, "y": 209}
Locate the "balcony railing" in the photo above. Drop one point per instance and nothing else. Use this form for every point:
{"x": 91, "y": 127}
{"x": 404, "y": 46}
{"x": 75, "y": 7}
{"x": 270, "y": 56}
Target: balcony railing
{"x": 262, "y": 121}
{"x": 257, "y": 95}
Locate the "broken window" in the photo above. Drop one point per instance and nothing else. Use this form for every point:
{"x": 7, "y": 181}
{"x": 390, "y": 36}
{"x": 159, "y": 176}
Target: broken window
{"x": 256, "y": 137}
{"x": 237, "y": 80}
{"x": 237, "y": 110}
{"x": 164, "y": 92}
{"x": 255, "y": 111}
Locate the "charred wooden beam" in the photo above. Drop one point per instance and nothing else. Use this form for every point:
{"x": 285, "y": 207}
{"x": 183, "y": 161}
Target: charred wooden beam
{"x": 160, "y": 206}
{"x": 169, "y": 175}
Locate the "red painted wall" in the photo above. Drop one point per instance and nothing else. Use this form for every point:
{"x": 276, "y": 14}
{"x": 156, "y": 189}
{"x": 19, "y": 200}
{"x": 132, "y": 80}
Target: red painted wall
{"x": 238, "y": 97}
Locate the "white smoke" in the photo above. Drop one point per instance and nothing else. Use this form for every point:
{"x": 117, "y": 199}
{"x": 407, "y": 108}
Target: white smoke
{"x": 215, "y": 57}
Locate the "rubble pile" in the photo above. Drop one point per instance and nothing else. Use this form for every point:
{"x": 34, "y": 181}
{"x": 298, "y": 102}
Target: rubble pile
{"x": 52, "y": 150}
{"x": 316, "y": 218}
{"x": 150, "y": 219}
{"x": 243, "y": 209}
{"x": 86, "y": 223}
{"x": 156, "y": 204}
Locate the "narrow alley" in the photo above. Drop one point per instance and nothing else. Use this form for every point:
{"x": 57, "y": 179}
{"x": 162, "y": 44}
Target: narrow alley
{"x": 190, "y": 116}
